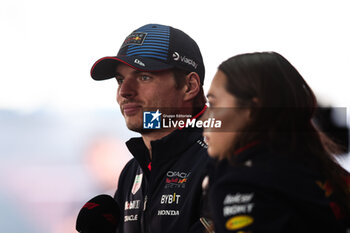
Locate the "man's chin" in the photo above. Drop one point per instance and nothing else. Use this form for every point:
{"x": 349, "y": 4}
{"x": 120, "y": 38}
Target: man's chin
{"x": 134, "y": 122}
{"x": 139, "y": 129}
{"x": 136, "y": 127}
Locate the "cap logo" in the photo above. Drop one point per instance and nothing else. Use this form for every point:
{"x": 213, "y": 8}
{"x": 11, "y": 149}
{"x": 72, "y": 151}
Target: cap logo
{"x": 135, "y": 38}
{"x": 184, "y": 59}
{"x": 176, "y": 56}
{"x": 189, "y": 62}
{"x": 137, "y": 61}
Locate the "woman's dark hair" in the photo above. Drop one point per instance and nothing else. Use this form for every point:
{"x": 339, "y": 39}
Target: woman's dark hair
{"x": 282, "y": 106}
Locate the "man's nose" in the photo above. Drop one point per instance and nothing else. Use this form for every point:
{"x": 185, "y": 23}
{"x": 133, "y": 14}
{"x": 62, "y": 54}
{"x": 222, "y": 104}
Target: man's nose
{"x": 128, "y": 88}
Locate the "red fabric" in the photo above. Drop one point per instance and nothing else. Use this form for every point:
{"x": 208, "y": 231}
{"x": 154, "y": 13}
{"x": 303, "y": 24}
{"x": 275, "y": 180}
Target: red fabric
{"x": 198, "y": 115}
{"x": 249, "y": 145}
{"x": 336, "y": 210}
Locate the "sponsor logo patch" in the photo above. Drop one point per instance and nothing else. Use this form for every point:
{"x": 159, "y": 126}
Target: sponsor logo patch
{"x": 182, "y": 175}
{"x": 131, "y": 205}
{"x": 239, "y": 222}
{"x": 238, "y": 198}
{"x": 168, "y": 212}
{"x": 176, "y": 179}
{"x": 170, "y": 199}
{"x": 174, "y": 185}
{"x": 129, "y": 218}
{"x": 137, "y": 61}
{"x": 239, "y": 203}
{"x": 176, "y": 56}
{"x": 237, "y": 209}
{"x": 326, "y": 186}
{"x": 137, "y": 184}
{"x": 184, "y": 59}
{"x": 135, "y": 38}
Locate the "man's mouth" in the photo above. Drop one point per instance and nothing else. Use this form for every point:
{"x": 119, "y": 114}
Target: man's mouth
{"x": 131, "y": 109}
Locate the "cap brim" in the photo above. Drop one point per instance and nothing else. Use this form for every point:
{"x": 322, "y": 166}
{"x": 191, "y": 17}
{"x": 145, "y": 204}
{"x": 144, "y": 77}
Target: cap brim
{"x": 105, "y": 68}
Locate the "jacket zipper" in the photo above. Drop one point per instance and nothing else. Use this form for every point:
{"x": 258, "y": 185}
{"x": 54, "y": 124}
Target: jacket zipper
{"x": 143, "y": 219}
{"x": 145, "y": 204}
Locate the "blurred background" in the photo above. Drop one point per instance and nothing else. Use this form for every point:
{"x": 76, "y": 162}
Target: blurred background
{"x": 61, "y": 133}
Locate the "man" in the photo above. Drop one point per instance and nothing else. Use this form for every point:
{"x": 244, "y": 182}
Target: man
{"x": 159, "y": 68}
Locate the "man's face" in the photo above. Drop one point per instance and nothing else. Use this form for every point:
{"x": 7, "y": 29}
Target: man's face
{"x": 138, "y": 91}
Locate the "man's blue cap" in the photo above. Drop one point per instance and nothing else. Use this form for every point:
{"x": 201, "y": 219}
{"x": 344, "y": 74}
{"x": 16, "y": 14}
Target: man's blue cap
{"x": 153, "y": 48}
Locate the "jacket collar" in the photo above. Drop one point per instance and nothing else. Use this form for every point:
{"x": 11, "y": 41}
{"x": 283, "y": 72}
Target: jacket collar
{"x": 241, "y": 154}
{"x": 168, "y": 147}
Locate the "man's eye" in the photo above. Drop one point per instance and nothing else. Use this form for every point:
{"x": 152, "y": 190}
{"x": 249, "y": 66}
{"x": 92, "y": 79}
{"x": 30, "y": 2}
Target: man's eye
{"x": 145, "y": 77}
{"x": 119, "y": 80}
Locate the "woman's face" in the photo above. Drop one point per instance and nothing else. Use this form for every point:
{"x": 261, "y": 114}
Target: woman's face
{"x": 224, "y": 107}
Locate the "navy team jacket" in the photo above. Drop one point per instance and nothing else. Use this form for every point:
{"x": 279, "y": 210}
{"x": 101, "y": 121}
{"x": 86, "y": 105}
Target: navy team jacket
{"x": 269, "y": 192}
{"x": 165, "y": 195}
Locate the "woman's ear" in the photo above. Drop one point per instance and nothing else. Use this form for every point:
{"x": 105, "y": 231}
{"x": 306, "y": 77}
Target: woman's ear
{"x": 255, "y": 103}
{"x": 192, "y": 86}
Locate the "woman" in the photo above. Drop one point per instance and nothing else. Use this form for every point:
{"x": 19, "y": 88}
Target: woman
{"x": 274, "y": 171}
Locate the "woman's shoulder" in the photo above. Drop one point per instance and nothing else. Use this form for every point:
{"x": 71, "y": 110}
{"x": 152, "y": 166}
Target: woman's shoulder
{"x": 267, "y": 170}
{"x": 270, "y": 185}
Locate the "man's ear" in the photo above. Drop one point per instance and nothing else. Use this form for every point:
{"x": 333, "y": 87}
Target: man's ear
{"x": 192, "y": 86}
